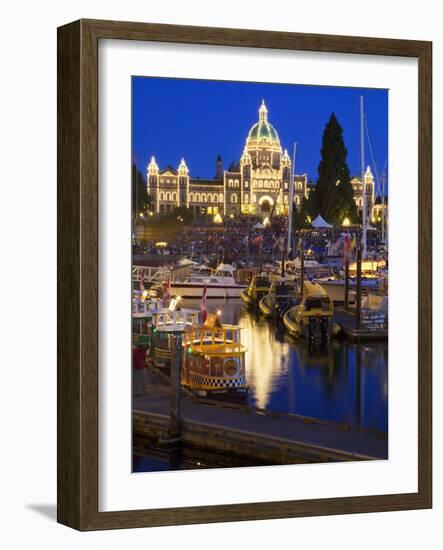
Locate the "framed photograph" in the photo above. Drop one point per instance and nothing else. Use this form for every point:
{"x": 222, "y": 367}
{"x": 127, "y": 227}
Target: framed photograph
{"x": 244, "y": 275}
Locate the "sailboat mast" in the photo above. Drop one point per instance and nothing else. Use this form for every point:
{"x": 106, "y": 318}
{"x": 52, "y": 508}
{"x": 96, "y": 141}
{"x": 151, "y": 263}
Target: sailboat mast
{"x": 291, "y": 201}
{"x": 383, "y": 206}
{"x": 362, "y": 158}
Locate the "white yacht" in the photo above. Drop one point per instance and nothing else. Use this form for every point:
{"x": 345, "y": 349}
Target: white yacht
{"x": 224, "y": 283}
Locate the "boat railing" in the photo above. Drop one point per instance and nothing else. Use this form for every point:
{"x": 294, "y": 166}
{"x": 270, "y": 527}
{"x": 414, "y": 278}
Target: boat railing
{"x": 175, "y": 320}
{"x": 224, "y": 339}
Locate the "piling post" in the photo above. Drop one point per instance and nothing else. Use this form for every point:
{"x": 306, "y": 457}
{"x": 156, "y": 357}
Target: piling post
{"x": 358, "y": 298}
{"x": 175, "y": 387}
{"x": 302, "y": 265}
{"x": 346, "y": 282}
{"x": 260, "y": 257}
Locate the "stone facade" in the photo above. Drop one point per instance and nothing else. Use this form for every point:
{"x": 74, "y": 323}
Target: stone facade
{"x": 259, "y": 185}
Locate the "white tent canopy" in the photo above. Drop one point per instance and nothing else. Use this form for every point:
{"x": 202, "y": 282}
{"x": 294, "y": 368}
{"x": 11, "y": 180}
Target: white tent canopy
{"x": 319, "y": 222}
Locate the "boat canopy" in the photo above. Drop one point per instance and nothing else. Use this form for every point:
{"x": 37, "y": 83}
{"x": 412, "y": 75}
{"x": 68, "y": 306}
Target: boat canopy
{"x": 314, "y": 290}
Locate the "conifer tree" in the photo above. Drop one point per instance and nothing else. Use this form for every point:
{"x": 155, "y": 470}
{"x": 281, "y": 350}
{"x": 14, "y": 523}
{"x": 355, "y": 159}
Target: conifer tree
{"x": 333, "y": 196}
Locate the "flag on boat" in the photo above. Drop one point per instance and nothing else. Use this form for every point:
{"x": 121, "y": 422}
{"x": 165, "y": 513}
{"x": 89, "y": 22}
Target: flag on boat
{"x": 166, "y": 296}
{"x": 279, "y": 243}
{"x": 203, "y": 306}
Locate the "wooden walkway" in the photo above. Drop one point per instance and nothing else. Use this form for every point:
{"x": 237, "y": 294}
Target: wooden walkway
{"x": 271, "y": 437}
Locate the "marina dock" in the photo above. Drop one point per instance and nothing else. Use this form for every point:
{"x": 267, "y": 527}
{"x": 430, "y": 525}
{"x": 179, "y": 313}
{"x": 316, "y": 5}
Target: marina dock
{"x": 346, "y": 320}
{"x": 247, "y": 432}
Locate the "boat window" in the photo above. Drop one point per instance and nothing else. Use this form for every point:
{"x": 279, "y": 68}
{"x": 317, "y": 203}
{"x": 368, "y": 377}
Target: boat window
{"x": 313, "y": 303}
{"x": 262, "y": 281}
{"x": 325, "y": 303}
{"x": 283, "y": 289}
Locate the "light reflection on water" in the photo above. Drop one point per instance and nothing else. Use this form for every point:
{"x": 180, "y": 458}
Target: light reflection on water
{"x": 335, "y": 381}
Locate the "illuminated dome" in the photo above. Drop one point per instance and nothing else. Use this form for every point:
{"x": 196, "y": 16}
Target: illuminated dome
{"x": 263, "y": 133}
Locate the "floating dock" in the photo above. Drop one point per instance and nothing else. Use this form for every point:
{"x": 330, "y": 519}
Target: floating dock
{"x": 346, "y": 320}
{"x": 215, "y": 425}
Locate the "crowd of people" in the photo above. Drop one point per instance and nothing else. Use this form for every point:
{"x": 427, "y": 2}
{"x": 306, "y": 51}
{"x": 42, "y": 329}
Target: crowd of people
{"x": 242, "y": 239}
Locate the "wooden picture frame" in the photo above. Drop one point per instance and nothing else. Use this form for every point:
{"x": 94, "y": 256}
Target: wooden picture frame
{"x": 78, "y": 273}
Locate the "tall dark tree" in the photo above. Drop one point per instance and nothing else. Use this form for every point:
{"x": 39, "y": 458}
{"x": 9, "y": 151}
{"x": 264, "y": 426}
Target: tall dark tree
{"x": 332, "y": 196}
{"x": 300, "y": 217}
{"x": 140, "y": 199}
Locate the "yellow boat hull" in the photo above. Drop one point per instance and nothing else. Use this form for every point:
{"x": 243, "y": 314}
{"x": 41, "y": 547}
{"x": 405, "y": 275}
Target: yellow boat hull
{"x": 266, "y": 311}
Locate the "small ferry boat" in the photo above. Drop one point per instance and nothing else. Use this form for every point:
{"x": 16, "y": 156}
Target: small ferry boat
{"x": 313, "y": 315}
{"x": 281, "y": 296}
{"x": 258, "y": 287}
{"x": 143, "y": 308}
{"x": 214, "y": 359}
{"x": 224, "y": 283}
{"x": 167, "y": 323}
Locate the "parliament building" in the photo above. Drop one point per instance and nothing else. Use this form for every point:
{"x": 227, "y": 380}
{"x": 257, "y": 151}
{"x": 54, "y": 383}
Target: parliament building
{"x": 258, "y": 185}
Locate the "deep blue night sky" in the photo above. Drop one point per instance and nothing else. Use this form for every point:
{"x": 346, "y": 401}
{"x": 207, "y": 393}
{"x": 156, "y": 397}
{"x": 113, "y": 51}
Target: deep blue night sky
{"x": 198, "y": 119}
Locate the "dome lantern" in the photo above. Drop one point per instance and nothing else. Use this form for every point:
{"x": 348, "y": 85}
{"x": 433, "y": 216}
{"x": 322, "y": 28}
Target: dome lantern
{"x": 263, "y": 112}
{"x": 263, "y": 134}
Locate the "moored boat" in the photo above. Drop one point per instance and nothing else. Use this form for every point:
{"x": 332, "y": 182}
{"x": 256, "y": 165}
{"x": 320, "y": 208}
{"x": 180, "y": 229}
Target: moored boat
{"x": 258, "y": 287}
{"x": 143, "y": 308}
{"x": 313, "y": 315}
{"x": 214, "y": 359}
{"x": 224, "y": 283}
{"x": 165, "y": 324}
{"x": 281, "y": 296}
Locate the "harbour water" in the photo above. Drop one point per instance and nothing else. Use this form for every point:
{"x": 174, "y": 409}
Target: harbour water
{"x": 333, "y": 380}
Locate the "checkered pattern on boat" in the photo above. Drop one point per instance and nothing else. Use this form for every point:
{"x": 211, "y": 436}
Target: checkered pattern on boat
{"x": 200, "y": 380}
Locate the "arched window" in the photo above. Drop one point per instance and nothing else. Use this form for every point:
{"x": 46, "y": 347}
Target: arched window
{"x": 233, "y": 198}
{"x": 168, "y": 196}
{"x": 191, "y": 197}
{"x": 285, "y": 199}
{"x": 300, "y": 185}
{"x": 197, "y": 197}
{"x": 297, "y": 200}
{"x": 174, "y": 196}
{"x": 220, "y": 197}
{"x": 162, "y": 196}
{"x": 209, "y": 197}
{"x": 203, "y": 197}
{"x": 247, "y": 199}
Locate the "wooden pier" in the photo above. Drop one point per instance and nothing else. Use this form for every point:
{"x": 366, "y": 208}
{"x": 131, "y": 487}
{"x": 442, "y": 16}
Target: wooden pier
{"x": 236, "y": 429}
{"x": 346, "y": 320}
